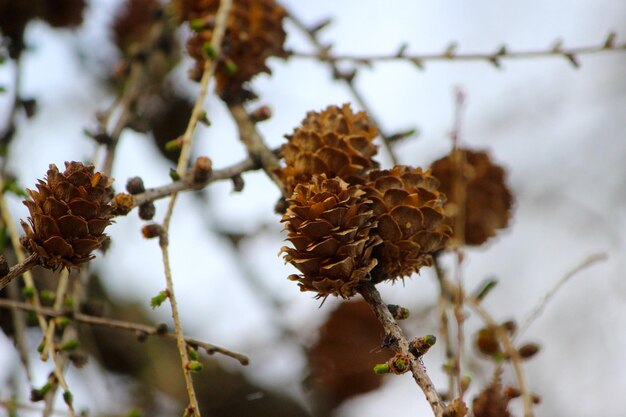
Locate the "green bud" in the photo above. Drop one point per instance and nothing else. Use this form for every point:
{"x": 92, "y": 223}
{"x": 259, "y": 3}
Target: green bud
{"x": 400, "y": 364}
{"x": 68, "y": 303}
{"x": 39, "y": 394}
{"x": 381, "y": 368}
{"x": 69, "y": 345}
{"x": 68, "y": 397}
{"x": 46, "y": 296}
{"x": 231, "y": 67}
{"x": 158, "y": 299}
{"x": 194, "y": 366}
{"x": 173, "y": 145}
{"x": 196, "y": 25}
{"x": 485, "y": 289}
{"x": 62, "y": 321}
{"x": 28, "y": 292}
{"x": 430, "y": 339}
{"x": 209, "y": 50}
{"x": 204, "y": 119}
{"x": 174, "y": 175}
{"x": 193, "y": 354}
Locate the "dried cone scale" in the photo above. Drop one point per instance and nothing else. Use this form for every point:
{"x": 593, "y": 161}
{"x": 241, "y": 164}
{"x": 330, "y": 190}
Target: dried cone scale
{"x": 329, "y": 224}
{"x": 254, "y": 32}
{"x": 336, "y": 142}
{"x": 68, "y": 215}
{"x": 411, "y": 220}
{"x": 487, "y": 197}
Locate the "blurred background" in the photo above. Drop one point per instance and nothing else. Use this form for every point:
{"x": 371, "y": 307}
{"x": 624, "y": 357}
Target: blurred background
{"x": 558, "y": 131}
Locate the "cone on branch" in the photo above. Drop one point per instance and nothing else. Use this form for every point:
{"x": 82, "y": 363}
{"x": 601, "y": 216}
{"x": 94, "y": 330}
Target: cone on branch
{"x": 335, "y": 141}
{"x": 68, "y": 215}
{"x": 411, "y": 221}
{"x": 487, "y": 199}
{"x": 254, "y": 32}
{"x": 329, "y": 223}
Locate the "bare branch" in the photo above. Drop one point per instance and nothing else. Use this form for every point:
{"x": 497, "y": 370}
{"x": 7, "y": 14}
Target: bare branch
{"x": 451, "y": 55}
{"x": 138, "y": 328}
{"x": 18, "y": 269}
{"x": 552, "y": 292}
{"x": 372, "y": 296}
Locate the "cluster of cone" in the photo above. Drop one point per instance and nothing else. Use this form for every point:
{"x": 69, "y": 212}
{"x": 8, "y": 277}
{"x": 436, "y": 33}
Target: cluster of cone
{"x": 254, "y": 32}
{"x": 350, "y": 222}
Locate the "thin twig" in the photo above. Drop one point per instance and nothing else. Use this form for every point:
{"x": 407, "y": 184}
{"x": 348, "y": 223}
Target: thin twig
{"x": 49, "y": 350}
{"x": 183, "y": 161}
{"x": 460, "y": 197}
{"x": 143, "y": 329}
{"x": 153, "y": 194}
{"x": 256, "y": 146}
{"x": 133, "y": 89}
{"x": 445, "y": 298}
{"x": 536, "y": 311}
{"x": 48, "y": 338}
{"x": 19, "y": 330}
{"x": 348, "y": 78}
{"x": 14, "y": 405}
{"x": 372, "y": 296}
{"x": 450, "y": 54}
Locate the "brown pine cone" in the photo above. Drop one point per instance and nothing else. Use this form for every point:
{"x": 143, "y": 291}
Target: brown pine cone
{"x": 411, "y": 220}
{"x": 329, "y": 224}
{"x": 68, "y": 215}
{"x": 336, "y": 142}
{"x": 487, "y": 198}
{"x": 254, "y": 32}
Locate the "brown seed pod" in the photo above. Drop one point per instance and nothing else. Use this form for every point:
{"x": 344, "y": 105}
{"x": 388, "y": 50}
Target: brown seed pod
{"x": 329, "y": 225}
{"x": 335, "y": 141}
{"x": 411, "y": 220}
{"x": 68, "y": 215}
{"x": 528, "y": 350}
{"x": 487, "y": 342}
{"x": 487, "y": 198}
{"x": 254, "y": 32}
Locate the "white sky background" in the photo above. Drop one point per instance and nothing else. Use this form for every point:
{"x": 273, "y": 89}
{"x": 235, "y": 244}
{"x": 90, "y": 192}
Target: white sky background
{"x": 558, "y": 131}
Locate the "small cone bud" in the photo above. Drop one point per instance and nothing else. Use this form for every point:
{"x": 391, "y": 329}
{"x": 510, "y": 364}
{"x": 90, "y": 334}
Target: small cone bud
{"x": 135, "y": 185}
{"x": 528, "y": 350}
{"x": 202, "y": 169}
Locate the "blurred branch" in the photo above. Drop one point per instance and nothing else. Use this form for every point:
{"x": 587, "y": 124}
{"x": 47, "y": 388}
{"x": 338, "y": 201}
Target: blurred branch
{"x": 323, "y": 54}
{"x": 256, "y": 146}
{"x": 133, "y": 89}
{"x": 450, "y": 55}
{"x": 552, "y": 292}
{"x": 509, "y": 349}
{"x": 392, "y": 330}
{"x": 446, "y": 295}
{"x": 18, "y": 269}
{"x": 140, "y": 329}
